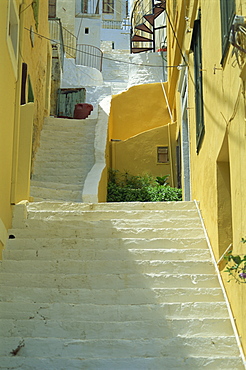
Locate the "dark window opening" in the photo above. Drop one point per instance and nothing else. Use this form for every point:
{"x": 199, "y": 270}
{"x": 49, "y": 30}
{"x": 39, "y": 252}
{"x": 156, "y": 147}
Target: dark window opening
{"x": 162, "y": 154}
{"x": 86, "y": 31}
{"x": 197, "y": 50}
{"x": 108, "y": 6}
{"x": 227, "y": 11}
{"x": 52, "y": 8}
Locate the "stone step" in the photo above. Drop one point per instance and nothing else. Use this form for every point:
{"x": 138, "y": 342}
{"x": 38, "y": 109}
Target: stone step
{"x": 119, "y": 348}
{"x": 157, "y": 223}
{"x": 129, "y": 206}
{"x": 110, "y": 267}
{"x": 53, "y": 185}
{"x": 22, "y": 309}
{"x": 90, "y": 253}
{"x": 48, "y": 193}
{"x": 65, "y": 122}
{"x": 74, "y": 160}
{"x": 114, "y": 281}
{"x": 40, "y": 327}
{"x": 61, "y": 135}
{"x": 96, "y": 231}
{"x": 64, "y": 179}
{"x": 108, "y": 214}
{"x": 131, "y": 363}
{"x": 102, "y": 244}
{"x": 48, "y": 149}
{"x": 125, "y": 296}
{"x": 64, "y": 154}
{"x": 61, "y": 171}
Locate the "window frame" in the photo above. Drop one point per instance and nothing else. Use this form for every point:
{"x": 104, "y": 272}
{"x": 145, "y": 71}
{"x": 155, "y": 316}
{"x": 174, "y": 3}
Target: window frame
{"x": 165, "y": 147}
{"x": 108, "y": 7}
{"x": 227, "y": 13}
{"x": 13, "y": 29}
{"x": 196, "y": 47}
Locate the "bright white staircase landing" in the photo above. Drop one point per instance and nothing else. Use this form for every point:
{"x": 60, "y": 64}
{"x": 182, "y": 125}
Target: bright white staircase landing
{"x": 112, "y": 287}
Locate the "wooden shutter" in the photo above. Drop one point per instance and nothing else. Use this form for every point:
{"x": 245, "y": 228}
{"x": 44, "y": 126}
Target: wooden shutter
{"x": 227, "y": 11}
{"x": 197, "y": 49}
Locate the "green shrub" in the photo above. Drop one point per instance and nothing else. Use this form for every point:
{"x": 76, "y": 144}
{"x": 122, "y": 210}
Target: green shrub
{"x": 129, "y": 188}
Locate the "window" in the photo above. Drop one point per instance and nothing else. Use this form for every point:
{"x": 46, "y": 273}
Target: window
{"x": 86, "y": 30}
{"x": 52, "y": 8}
{"x": 197, "y": 50}
{"x": 35, "y": 8}
{"x": 108, "y": 6}
{"x": 84, "y": 6}
{"x": 13, "y": 33}
{"x": 162, "y": 154}
{"x": 227, "y": 10}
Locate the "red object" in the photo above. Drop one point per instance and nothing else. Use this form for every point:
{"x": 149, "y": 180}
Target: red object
{"x": 82, "y": 110}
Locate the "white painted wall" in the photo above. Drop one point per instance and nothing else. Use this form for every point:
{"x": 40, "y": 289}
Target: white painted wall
{"x": 120, "y": 38}
{"x": 94, "y": 28}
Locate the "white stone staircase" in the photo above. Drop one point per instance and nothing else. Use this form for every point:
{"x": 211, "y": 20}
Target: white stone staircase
{"x": 65, "y": 157}
{"x": 112, "y": 287}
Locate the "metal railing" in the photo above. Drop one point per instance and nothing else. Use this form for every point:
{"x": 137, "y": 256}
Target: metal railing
{"x": 70, "y": 41}
{"x": 112, "y": 24}
{"x": 90, "y": 56}
{"x": 56, "y": 36}
{"x": 64, "y": 37}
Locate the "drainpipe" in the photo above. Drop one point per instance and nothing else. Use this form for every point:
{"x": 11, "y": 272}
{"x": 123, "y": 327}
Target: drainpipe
{"x": 169, "y": 132}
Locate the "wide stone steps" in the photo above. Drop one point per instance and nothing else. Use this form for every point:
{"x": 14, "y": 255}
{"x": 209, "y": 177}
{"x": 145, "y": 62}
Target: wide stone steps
{"x": 123, "y": 313}
{"x": 115, "y": 329}
{"x": 131, "y": 363}
{"x": 112, "y": 286}
{"x": 109, "y": 280}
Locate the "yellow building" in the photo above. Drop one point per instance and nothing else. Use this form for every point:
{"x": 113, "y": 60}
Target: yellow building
{"x": 206, "y": 93}
{"x": 24, "y": 91}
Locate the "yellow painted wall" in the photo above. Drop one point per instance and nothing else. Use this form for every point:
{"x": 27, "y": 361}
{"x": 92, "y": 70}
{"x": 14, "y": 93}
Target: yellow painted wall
{"x": 7, "y": 116}
{"x": 38, "y": 59}
{"x": 138, "y": 155}
{"x": 141, "y": 108}
{"x": 218, "y": 175}
{"x": 16, "y": 122}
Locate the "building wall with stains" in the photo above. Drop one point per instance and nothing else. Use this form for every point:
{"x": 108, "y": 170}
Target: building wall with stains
{"x": 216, "y": 123}
{"x": 24, "y": 91}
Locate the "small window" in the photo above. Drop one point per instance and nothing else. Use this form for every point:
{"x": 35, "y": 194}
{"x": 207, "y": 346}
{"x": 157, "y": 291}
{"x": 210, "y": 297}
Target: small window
{"x": 86, "y": 30}
{"x": 108, "y": 6}
{"x": 162, "y": 154}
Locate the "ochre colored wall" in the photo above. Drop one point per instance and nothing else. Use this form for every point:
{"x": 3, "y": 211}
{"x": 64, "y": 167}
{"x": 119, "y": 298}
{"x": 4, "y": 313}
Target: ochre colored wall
{"x": 16, "y": 123}
{"x": 138, "y": 155}
{"x": 38, "y": 59}
{"x": 218, "y": 175}
{"x": 7, "y": 98}
{"x": 141, "y": 108}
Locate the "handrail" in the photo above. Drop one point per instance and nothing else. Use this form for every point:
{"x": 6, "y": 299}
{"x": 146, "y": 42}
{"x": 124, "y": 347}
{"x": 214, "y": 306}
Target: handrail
{"x": 90, "y": 56}
{"x": 56, "y": 35}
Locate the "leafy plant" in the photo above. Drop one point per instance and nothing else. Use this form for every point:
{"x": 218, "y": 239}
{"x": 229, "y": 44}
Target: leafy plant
{"x": 162, "y": 180}
{"x": 236, "y": 266}
{"x": 123, "y": 187}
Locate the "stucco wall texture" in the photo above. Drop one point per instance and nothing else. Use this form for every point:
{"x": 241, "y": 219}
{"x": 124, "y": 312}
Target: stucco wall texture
{"x": 218, "y": 175}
